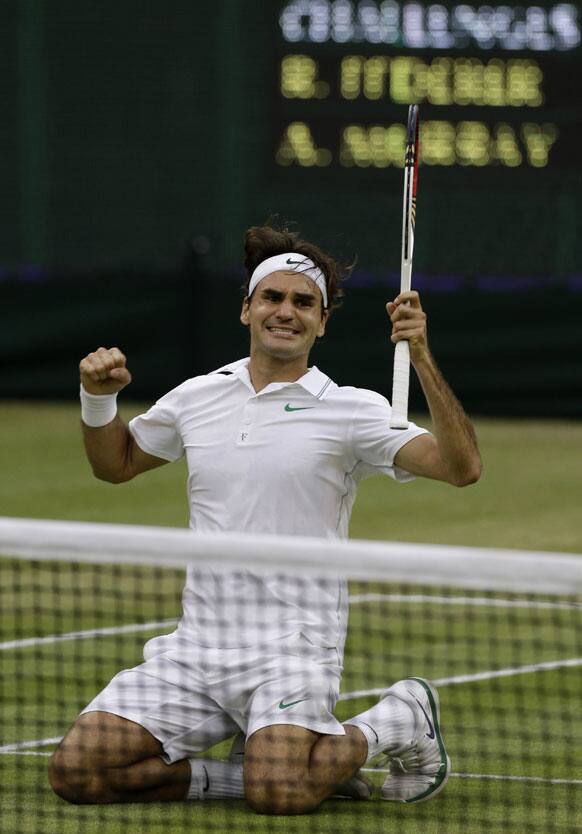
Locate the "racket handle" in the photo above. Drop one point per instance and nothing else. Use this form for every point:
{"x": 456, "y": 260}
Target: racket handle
{"x": 399, "y": 416}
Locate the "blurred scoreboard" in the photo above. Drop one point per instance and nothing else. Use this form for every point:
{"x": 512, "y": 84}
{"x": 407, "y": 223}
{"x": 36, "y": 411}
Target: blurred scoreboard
{"x": 208, "y": 118}
{"x": 498, "y": 85}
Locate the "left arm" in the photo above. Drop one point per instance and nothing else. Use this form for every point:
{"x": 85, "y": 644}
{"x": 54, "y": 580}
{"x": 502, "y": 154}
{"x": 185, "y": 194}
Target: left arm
{"x": 451, "y": 454}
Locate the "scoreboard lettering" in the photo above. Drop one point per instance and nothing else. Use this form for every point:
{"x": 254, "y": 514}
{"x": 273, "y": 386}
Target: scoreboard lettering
{"x": 492, "y": 82}
{"x": 421, "y": 26}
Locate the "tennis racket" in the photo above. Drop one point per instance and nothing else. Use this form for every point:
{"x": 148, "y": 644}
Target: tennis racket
{"x": 401, "y": 377}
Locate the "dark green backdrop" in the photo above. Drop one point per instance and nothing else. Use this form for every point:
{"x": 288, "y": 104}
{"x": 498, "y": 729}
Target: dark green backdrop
{"x": 505, "y": 353}
{"x": 135, "y": 134}
{"x": 132, "y": 130}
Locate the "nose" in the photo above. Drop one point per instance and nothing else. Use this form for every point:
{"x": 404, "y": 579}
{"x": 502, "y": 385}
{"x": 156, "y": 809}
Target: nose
{"x": 284, "y": 310}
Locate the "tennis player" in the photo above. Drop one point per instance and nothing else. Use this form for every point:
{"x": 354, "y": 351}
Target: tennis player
{"x": 273, "y": 446}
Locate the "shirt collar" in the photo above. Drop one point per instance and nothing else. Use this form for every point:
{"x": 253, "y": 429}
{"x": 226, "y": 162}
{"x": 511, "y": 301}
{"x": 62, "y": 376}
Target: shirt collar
{"x": 314, "y": 381}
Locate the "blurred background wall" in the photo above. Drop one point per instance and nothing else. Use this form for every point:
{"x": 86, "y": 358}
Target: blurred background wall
{"x": 140, "y": 139}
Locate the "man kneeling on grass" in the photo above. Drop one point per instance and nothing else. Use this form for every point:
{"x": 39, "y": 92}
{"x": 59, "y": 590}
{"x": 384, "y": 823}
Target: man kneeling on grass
{"x": 273, "y": 446}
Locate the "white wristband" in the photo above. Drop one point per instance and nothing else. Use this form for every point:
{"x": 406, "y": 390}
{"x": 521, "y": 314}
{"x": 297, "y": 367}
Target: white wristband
{"x": 97, "y": 409}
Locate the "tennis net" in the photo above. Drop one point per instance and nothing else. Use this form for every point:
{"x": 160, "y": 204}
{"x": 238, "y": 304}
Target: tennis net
{"x": 498, "y": 633}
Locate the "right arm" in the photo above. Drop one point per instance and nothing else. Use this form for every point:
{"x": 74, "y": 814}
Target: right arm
{"x": 111, "y": 450}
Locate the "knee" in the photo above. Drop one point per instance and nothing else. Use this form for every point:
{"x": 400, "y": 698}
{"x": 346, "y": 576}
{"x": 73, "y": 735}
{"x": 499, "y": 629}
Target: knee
{"x": 276, "y": 771}
{"x": 280, "y": 804}
{"x": 73, "y": 780}
{"x": 283, "y": 798}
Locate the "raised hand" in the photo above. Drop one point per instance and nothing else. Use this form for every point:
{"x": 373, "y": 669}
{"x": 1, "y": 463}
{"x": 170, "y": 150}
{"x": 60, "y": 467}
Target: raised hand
{"x": 104, "y": 371}
{"x": 409, "y": 322}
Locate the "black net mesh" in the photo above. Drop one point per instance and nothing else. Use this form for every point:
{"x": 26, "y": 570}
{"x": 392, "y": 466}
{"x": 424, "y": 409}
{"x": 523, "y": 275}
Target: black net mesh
{"x": 506, "y": 668}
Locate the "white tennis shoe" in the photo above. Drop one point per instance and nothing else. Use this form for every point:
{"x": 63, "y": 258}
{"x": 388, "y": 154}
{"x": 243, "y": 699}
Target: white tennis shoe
{"x": 420, "y": 768}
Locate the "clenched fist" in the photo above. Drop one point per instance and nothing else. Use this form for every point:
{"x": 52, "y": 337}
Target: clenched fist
{"x": 104, "y": 371}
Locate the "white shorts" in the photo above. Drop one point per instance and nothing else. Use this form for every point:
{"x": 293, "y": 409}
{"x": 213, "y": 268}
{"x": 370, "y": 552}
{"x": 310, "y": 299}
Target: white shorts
{"x": 191, "y": 697}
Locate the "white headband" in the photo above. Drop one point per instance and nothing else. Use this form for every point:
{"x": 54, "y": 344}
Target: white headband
{"x": 289, "y": 262}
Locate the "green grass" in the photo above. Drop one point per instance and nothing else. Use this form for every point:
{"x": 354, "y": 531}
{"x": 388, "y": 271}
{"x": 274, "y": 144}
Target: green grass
{"x": 521, "y": 725}
{"x": 495, "y": 809}
{"x": 527, "y": 497}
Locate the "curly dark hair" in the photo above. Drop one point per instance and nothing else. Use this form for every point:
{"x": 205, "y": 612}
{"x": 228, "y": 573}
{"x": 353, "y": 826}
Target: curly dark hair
{"x": 262, "y": 242}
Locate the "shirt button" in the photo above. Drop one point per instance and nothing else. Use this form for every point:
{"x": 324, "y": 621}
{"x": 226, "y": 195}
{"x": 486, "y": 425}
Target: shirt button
{"x": 247, "y": 421}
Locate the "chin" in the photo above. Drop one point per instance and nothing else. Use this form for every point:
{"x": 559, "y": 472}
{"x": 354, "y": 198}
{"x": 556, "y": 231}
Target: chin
{"x": 283, "y": 351}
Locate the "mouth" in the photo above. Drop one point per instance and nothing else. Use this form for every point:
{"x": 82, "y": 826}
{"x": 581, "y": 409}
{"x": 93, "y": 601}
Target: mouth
{"x": 283, "y": 332}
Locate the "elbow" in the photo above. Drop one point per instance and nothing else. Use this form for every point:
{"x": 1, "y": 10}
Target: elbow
{"x": 469, "y": 475}
{"x": 111, "y": 477}
{"x": 116, "y": 470}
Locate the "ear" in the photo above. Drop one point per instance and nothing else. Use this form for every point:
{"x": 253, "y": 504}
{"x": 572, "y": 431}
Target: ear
{"x": 244, "y": 313}
{"x": 322, "y": 324}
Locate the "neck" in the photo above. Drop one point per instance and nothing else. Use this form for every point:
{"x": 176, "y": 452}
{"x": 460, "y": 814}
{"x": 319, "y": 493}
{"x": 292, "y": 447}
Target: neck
{"x": 266, "y": 369}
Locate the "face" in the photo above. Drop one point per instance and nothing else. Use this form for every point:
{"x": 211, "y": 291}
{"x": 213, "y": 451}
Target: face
{"x": 284, "y": 316}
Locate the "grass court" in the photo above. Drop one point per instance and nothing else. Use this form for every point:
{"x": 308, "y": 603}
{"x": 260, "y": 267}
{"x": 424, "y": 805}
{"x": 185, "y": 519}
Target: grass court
{"x": 505, "y": 665}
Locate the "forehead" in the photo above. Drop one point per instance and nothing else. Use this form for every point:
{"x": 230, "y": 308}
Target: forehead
{"x": 289, "y": 282}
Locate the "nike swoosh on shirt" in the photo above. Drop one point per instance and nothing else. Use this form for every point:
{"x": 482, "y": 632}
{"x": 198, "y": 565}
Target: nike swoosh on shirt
{"x": 289, "y": 407}
{"x": 291, "y": 703}
{"x": 430, "y": 724}
{"x": 207, "y": 783}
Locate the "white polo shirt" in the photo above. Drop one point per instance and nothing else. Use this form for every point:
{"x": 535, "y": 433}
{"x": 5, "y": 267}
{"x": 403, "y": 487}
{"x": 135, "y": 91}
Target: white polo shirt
{"x": 286, "y": 460}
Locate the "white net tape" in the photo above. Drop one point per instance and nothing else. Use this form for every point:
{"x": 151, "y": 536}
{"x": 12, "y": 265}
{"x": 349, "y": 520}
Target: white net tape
{"x": 415, "y": 564}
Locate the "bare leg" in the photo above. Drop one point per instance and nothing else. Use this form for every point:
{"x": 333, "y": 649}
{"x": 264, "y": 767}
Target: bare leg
{"x": 105, "y": 758}
{"x": 291, "y": 770}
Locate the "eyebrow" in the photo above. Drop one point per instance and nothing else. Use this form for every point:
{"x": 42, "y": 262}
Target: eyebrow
{"x": 300, "y": 296}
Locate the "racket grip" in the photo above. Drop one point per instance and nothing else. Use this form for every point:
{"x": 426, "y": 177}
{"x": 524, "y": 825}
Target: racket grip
{"x": 401, "y": 378}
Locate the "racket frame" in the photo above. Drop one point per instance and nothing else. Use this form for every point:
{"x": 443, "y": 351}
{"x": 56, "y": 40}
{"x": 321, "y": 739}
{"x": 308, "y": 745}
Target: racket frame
{"x": 401, "y": 374}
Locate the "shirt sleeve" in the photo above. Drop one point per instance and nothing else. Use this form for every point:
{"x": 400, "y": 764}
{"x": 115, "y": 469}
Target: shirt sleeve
{"x": 157, "y": 431}
{"x": 374, "y": 444}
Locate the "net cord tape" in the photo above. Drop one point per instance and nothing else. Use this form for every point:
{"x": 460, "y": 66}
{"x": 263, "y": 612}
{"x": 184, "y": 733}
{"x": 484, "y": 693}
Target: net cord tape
{"x": 415, "y": 564}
